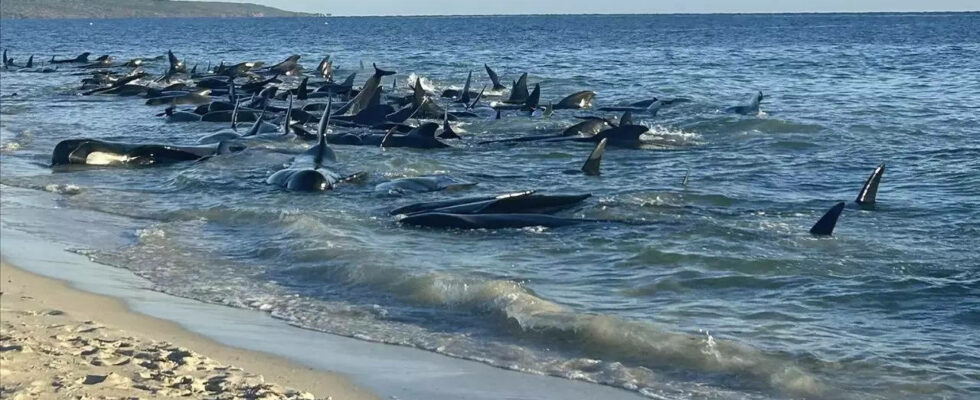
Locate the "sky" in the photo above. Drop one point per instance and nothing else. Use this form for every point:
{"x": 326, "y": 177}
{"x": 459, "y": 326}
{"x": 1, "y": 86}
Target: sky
{"x": 482, "y": 7}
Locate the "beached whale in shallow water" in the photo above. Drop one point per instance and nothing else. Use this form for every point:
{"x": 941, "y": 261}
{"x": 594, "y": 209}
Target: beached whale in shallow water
{"x": 422, "y": 184}
{"x": 82, "y": 58}
{"x": 423, "y": 137}
{"x": 98, "y": 152}
{"x": 520, "y": 202}
{"x": 749, "y": 109}
{"x": 576, "y": 101}
{"x": 308, "y": 172}
{"x": 490, "y": 221}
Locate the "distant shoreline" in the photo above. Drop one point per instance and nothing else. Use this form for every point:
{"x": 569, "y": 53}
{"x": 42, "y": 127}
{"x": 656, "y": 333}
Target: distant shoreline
{"x": 114, "y": 9}
{"x": 310, "y": 15}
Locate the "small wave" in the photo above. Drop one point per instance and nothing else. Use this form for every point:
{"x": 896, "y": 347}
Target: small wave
{"x": 516, "y": 310}
{"x": 66, "y": 189}
{"x": 427, "y": 83}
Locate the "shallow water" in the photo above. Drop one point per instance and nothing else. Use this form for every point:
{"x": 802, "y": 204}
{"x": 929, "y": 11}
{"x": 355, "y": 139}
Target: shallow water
{"x": 718, "y": 293}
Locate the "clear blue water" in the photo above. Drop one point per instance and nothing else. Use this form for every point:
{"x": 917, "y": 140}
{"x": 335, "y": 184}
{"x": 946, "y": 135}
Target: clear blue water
{"x": 722, "y": 295}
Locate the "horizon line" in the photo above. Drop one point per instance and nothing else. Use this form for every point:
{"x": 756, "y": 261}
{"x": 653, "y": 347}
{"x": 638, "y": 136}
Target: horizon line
{"x": 649, "y": 13}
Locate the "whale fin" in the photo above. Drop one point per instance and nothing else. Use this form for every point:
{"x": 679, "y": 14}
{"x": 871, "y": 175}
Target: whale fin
{"x": 325, "y": 121}
{"x": 518, "y": 94}
{"x": 494, "y": 78}
{"x": 591, "y": 167}
{"x": 286, "y": 119}
{"x": 825, "y": 226}
{"x": 387, "y": 136}
{"x": 477, "y": 100}
{"x": 498, "y": 114}
{"x": 301, "y": 91}
{"x": 686, "y": 177}
{"x": 869, "y": 192}
{"x": 465, "y": 96}
{"x": 232, "y": 92}
{"x": 534, "y": 100}
{"x": 626, "y": 119}
{"x": 381, "y": 72}
{"x": 234, "y": 118}
{"x": 447, "y": 130}
{"x": 254, "y": 130}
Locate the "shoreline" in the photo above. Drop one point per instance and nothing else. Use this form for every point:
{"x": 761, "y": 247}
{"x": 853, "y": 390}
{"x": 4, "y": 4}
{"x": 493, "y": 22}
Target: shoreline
{"x": 377, "y": 370}
{"x": 32, "y": 302}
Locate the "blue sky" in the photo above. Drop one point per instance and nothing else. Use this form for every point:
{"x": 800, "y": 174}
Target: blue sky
{"x": 455, "y": 7}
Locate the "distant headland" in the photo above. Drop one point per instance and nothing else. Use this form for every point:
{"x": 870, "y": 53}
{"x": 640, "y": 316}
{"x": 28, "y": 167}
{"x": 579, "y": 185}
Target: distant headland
{"x": 15, "y": 9}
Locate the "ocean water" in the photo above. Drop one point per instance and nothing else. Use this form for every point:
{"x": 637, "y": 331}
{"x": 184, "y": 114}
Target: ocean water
{"x": 719, "y": 293}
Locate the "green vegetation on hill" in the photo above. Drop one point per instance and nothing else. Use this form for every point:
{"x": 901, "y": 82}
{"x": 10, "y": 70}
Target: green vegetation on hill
{"x": 135, "y": 9}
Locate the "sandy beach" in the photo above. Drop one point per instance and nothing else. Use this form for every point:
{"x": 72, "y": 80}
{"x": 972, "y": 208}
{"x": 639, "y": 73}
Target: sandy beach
{"x": 58, "y": 342}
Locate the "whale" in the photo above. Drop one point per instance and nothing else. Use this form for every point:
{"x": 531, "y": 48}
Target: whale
{"x": 652, "y": 108}
{"x": 308, "y": 172}
{"x": 748, "y": 109}
{"x": 576, "y": 101}
{"x": 869, "y": 192}
{"x": 367, "y": 94}
{"x": 590, "y": 126}
{"x": 528, "y": 201}
{"x": 173, "y": 115}
{"x": 198, "y": 97}
{"x": 423, "y": 137}
{"x": 289, "y": 67}
{"x": 490, "y": 221}
{"x": 342, "y": 88}
{"x": 81, "y": 58}
{"x": 103, "y": 153}
{"x": 494, "y": 79}
{"x": 422, "y": 184}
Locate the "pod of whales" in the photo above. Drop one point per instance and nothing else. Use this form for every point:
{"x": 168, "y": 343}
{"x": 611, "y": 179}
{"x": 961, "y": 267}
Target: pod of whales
{"x": 378, "y": 113}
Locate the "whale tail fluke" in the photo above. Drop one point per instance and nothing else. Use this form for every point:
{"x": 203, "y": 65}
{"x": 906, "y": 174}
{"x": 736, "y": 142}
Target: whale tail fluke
{"x": 381, "y": 72}
{"x": 825, "y": 226}
{"x": 869, "y": 192}
{"x": 591, "y": 167}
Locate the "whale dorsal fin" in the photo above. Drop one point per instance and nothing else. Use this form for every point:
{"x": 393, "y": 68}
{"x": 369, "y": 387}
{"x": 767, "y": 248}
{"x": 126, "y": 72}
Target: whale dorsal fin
{"x": 869, "y": 192}
{"x": 301, "y": 91}
{"x": 232, "y": 93}
{"x": 626, "y": 119}
{"x": 825, "y": 226}
{"x": 447, "y": 130}
{"x": 289, "y": 115}
{"x": 465, "y": 96}
{"x": 254, "y": 130}
{"x": 387, "y": 136}
{"x": 477, "y": 100}
{"x": 591, "y": 167}
{"x": 324, "y": 121}
{"x": 234, "y": 118}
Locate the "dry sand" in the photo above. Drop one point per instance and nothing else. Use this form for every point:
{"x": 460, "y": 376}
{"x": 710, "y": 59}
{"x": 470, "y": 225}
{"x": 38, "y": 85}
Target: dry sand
{"x": 60, "y": 343}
